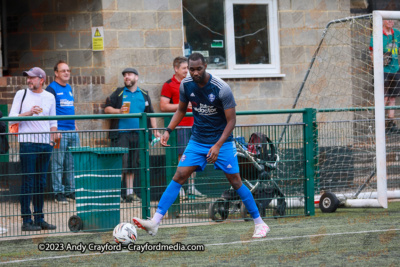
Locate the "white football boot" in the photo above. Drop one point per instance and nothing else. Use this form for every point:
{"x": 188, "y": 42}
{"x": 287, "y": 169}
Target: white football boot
{"x": 261, "y": 230}
{"x": 148, "y": 225}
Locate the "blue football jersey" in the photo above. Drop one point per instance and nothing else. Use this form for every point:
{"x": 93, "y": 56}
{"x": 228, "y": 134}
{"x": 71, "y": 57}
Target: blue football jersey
{"x": 209, "y": 104}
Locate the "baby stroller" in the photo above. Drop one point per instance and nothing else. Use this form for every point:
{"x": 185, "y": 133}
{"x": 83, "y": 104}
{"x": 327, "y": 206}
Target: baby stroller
{"x": 257, "y": 159}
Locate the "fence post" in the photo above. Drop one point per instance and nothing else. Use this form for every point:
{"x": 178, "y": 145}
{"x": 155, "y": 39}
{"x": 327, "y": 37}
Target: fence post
{"x": 309, "y": 119}
{"x": 144, "y": 166}
{"x": 171, "y": 160}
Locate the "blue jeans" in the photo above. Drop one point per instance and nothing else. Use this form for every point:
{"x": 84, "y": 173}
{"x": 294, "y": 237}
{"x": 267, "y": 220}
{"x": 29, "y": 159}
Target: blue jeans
{"x": 62, "y": 161}
{"x": 35, "y": 159}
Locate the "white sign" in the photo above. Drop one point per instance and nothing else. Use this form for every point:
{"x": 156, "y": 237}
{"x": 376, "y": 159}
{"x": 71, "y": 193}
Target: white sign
{"x": 98, "y": 38}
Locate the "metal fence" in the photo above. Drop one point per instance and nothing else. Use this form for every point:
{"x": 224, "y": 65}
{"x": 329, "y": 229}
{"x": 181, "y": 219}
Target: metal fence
{"x": 100, "y": 187}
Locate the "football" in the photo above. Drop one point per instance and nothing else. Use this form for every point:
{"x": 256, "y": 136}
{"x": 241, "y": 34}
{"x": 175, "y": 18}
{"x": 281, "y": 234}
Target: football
{"x": 125, "y": 233}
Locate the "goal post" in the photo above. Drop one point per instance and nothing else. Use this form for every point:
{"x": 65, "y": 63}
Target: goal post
{"x": 378, "y": 17}
{"x": 346, "y": 89}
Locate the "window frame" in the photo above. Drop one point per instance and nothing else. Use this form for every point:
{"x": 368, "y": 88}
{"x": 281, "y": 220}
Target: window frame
{"x": 234, "y": 70}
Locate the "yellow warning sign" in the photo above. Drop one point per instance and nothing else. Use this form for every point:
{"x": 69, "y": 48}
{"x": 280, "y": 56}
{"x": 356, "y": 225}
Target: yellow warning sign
{"x": 97, "y": 33}
{"x": 98, "y": 38}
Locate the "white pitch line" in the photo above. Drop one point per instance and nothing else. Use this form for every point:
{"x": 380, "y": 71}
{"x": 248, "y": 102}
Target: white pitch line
{"x": 207, "y": 245}
{"x": 299, "y": 236}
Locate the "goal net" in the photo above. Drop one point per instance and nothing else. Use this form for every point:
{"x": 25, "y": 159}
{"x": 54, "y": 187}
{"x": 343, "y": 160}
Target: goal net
{"x": 341, "y": 76}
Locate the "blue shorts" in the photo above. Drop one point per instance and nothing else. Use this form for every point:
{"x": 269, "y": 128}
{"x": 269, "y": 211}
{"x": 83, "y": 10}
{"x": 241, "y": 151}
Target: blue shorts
{"x": 196, "y": 155}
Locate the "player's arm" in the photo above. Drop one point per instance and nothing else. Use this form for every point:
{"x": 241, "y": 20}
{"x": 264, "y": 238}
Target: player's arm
{"x": 176, "y": 119}
{"x": 230, "y": 115}
{"x": 166, "y": 105}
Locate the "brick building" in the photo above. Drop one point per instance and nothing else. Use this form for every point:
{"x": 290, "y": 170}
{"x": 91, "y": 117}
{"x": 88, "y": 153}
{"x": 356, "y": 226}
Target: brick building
{"x": 148, "y": 34}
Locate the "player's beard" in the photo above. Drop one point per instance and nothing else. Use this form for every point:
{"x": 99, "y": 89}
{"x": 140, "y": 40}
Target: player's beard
{"x": 199, "y": 79}
{"x": 129, "y": 83}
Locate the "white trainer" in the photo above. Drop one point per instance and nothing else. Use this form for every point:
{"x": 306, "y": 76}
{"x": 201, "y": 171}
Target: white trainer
{"x": 261, "y": 230}
{"x": 148, "y": 225}
{"x": 193, "y": 191}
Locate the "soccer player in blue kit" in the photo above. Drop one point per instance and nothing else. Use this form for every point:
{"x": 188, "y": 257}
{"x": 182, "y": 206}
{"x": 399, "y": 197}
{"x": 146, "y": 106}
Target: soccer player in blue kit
{"x": 211, "y": 141}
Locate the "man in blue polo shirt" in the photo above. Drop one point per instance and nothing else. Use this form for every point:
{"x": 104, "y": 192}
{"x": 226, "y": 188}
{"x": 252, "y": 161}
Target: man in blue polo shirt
{"x": 62, "y": 160}
{"x": 139, "y": 101}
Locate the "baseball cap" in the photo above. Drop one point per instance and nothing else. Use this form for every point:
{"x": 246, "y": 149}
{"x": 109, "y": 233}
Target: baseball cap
{"x": 132, "y": 70}
{"x": 35, "y": 72}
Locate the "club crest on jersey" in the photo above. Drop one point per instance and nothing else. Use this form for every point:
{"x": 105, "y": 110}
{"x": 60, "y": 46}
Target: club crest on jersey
{"x": 211, "y": 97}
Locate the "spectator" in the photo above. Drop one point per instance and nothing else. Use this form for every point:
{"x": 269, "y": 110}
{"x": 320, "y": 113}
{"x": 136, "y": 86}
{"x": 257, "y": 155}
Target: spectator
{"x": 129, "y": 99}
{"x": 391, "y": 44}
{"x": 169, "y": 102}
{"x": 35, "y": 149}
{"x": 62, "y": 160}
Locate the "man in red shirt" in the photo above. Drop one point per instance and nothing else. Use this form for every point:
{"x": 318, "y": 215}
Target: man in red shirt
{"x": 169, "y": 102}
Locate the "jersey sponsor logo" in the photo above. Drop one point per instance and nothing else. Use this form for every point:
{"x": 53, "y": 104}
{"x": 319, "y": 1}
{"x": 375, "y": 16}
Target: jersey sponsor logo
{"x": 192, "y": 95}
{"x": 66, "y": 103}
{"x": 229, "y": 166}
{"x": 60, "y": 93}
{"x": 211, "y": 97}
{"x": 183, "y": 158}
{"x": 205, "y": 110}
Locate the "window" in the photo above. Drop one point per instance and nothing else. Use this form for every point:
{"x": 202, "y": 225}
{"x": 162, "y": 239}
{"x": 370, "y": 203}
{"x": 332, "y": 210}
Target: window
{"x": 238, "y": 38}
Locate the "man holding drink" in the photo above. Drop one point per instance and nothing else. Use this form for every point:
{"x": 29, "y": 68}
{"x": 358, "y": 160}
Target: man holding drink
{"x": 129, "y": 99}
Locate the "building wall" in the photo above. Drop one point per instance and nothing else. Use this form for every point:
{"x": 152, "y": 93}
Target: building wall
{"x": 147, "y": 35}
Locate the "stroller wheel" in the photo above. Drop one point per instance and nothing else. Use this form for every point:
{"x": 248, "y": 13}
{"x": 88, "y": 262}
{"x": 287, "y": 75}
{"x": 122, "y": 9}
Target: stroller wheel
{"x": 328, "y": 202}
{"x": 246, "y": 215}
{"x": 218, "y": 210}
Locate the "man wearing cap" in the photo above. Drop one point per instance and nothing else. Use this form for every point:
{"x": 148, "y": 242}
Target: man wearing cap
{"x": 135, "y": 100}
{"x": 35, "y": 149}
{"x": 62, "y": 160}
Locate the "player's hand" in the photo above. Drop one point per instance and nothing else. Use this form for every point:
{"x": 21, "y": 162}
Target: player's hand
{"x": 164, "y": 139}
{"x": 213, "y": 153}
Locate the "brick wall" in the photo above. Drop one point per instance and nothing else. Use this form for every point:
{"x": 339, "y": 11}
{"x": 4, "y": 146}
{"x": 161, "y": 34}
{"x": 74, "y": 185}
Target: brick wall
{"x": 42, "y": 32}
{"x": 86, "y": 102}
{"x": 147, "y": 35}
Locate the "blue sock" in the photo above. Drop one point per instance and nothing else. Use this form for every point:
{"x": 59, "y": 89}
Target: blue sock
{"x": 248, "y": 201}
{"x": 168, "y": 197}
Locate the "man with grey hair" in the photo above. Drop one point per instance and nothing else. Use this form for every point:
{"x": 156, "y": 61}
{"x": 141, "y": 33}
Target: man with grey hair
{"x": 34, "y": 148}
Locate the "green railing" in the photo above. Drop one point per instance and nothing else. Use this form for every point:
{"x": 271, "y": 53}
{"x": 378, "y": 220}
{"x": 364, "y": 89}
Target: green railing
{"x": 291, "y": 179}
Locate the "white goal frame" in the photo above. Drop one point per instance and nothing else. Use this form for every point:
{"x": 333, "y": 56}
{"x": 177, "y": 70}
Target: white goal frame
{"x": 378, "y": 17}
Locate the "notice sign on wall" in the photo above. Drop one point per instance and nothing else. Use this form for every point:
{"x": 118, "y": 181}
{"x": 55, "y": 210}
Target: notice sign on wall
{"x": 97, "y": 39}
